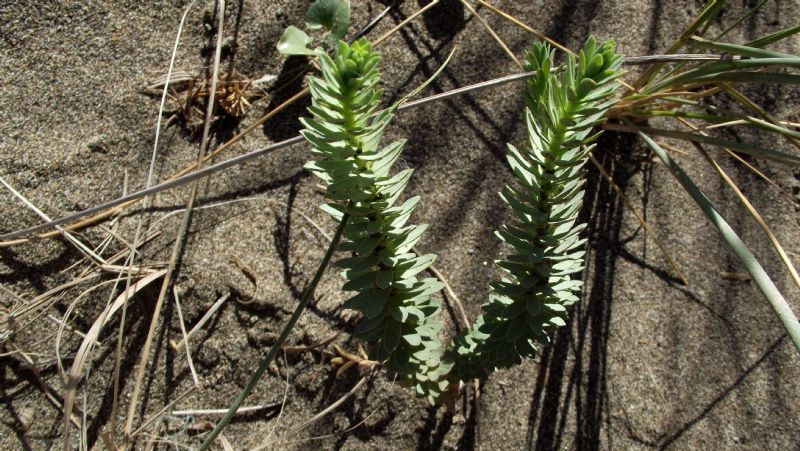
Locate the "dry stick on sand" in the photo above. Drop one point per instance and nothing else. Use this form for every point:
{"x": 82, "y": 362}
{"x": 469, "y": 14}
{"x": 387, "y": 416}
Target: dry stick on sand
{"x": 185, "y": 336}
{"x": 144, "y": 358}
{"x": 207, "y": 316}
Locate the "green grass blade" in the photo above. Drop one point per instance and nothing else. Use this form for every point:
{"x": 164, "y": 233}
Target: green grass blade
{"x": 746, "y": 148}
{"x": 714, "y": 7}
{"x": 749, "y": 121}
{"x": 736, "y": 49}
{"x": 765, "y": 125}
{"x": 739, "y": 21}
{"x": 750, "y": 77}
{"x": 686, "y": 114}
{"x": 704, "y": 70}
{"x": 751, "y": 264}
{"x": 273, "y": 351}
{"x": 774, "y": 37}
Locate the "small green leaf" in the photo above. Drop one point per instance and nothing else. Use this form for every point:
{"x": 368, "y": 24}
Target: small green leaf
{"x": 370, "y": 302}
{"x": 413, "y": 339}
{"x": 295, "y": 42}
{"x": 384, "y": 278}
{"x": 391, "y": 336}
{"x": 400, "y": 314}
{"x": 331, "y": 15}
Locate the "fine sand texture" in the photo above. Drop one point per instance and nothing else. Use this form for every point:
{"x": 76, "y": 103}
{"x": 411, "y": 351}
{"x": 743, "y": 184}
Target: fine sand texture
{"x": 645, "y": 362}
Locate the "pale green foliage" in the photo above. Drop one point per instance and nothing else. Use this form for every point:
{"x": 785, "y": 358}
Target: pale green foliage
{"x": 331, "y": 16}
{"x": 295, "y": 42}
{"x": 398, "y": 309}
{"x": 345, "y": 131}
{"x": 547, "y": 248}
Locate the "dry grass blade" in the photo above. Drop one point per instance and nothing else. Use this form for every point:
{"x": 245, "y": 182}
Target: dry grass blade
{"x": 63, "y": 325}
{"x": 82, "y": 356}
{"x": 171, "y": 77}
{"x": 49, "y": 316}
{"x": 215, "y": 412}
{"x": 525, "y": 27}
{"x": 207, "y": 316}
{"x": 451, "y": 297}
{"x": 747, "y": 148}
{"x": 224, "y": 443}
{"x": 49, "y": 392}
{"x": 37, "y": 302}
{"x": 763, "y": 176}
{"x": 283, "y": 402}
{"x": 402, "y": 24}
{"x": 169, "y": 405}
{"x": 542, "y": 37}
{"x": 324, "y": 412}
{"x": 491, "y": 31}
{"x": 183, "y": 333}
{"x": 754, "y": 107}
{"x": 136, "y": 237}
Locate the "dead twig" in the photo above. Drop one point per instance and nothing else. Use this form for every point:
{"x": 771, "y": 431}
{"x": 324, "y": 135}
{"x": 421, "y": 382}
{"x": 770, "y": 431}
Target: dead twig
{"x": 207, "y": 316}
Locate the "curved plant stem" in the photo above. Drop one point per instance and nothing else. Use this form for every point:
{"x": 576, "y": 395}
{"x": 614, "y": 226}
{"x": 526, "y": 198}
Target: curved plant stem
{"x": 273, "y": 352}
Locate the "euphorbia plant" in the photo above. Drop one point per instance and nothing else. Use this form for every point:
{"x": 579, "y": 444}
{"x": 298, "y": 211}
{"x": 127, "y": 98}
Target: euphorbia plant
{"x": 563, "y": 106}
{"x": 399, "y": 312}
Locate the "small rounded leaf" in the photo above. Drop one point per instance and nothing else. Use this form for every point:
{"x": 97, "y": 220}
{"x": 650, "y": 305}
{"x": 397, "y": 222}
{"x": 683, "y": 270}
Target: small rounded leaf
{"x": 331, "y": 15}
{"x": 295, "y": 42}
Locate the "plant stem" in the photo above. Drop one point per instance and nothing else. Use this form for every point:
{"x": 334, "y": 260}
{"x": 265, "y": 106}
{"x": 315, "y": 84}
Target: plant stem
{"x": 273, "y": 352}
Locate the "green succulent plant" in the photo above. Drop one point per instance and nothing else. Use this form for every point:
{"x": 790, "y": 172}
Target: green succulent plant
{"x": 399, "y": 313}
{"x": 562, "y": 107}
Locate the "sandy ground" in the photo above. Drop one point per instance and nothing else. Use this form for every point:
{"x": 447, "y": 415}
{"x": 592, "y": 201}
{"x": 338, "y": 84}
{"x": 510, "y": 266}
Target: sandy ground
{"x": 644, "y": 362}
